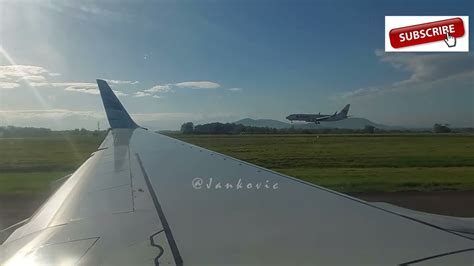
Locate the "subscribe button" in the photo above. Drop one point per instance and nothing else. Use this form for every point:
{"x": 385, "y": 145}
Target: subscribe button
{"x": 426, "y": 32}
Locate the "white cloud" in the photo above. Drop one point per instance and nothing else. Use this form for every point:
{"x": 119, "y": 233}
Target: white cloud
{"x": 235, "y": 89}
{"x": 426, "y": 72}
{"x": 19, "y": 71}
{"x": 10, "y": 75}
{"x": 198, "y": 85}
{"x": 119, "y": 93}
{"x": 153, "y": 91}
{"x": 160, "y": 88}
{"x": 429, "y": 67}
{"x": 82, "y": 89}
{"x": 88, "y": 85}
{"x": 33, "y": 78}
{"x": 121, "y": 82}
{"x": 36, "y": 76}
{"x": 361, "y": 92}
{"x": 141, "y": 94}
{"x": 146, "y": 94}
{"x": 8, "y": 85}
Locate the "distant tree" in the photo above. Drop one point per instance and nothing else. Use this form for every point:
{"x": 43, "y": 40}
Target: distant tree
{"x": 438, "y": 128}
{"x": 369, "y": 129}
{"x": 187, "y": 128}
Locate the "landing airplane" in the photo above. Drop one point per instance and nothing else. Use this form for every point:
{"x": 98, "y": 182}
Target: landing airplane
{"x": 143, "y": 198}
{"x": 317, "y": 118}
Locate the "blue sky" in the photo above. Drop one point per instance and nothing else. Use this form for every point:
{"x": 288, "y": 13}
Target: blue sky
{"x": 201, "y": 61}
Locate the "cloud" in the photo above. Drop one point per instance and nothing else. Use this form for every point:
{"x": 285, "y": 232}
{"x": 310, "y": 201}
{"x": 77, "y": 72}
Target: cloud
{"x": 426, "y": 71}
{"x": 235, "y": 89}
{"x": 121, "y": 82}
{"x": 157, "y": 89}
{"x": 160, "y": 88}
{"x": 33, "y": 78}
{"x": 141, "y": 94}
{"x": 361, "y": 92}
{"x": 429, "y": 67}
{"x": 8, "y": 85}
{"x": 198, "y": 85}
{"x": 12, "y": 75}
{"x": 41, "y": 81}
{"x": 145, "y": 94}
{"x": 119, "y": 93}
{"x": 19, "y": 71}
{"x": 84, "y": 87}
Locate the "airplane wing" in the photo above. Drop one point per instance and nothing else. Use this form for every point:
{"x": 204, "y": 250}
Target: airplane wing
{"x": 143, "y": 198}
{"x": 322, "y": 118}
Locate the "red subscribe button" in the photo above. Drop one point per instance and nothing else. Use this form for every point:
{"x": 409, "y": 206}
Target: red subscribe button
{"x": 426, "y": 32}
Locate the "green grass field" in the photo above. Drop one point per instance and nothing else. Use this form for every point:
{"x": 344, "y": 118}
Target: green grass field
{"x": 347, "y": 163}
{"x": 358, "y": 163}
{"x": 29, "y": 165}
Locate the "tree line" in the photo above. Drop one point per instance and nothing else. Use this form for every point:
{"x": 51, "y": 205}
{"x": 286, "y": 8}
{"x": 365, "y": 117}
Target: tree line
{"x": 25, "y": 132}
{"x": 231, "y": 128}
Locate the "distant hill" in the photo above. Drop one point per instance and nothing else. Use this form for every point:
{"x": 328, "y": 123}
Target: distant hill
{"x": 262, "y": 123}
{"x": 349, "y": 123}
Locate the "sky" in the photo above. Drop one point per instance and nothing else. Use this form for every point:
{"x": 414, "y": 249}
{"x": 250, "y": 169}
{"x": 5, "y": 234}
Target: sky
{"x": 203, "y": 61}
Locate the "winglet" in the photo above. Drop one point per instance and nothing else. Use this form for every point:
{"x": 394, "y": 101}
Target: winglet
{"x": 116, "y": 113}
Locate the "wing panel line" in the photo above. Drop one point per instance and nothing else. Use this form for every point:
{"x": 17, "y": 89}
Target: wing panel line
{"x": 169, "y": 235}
{"x": 436, "y": 256}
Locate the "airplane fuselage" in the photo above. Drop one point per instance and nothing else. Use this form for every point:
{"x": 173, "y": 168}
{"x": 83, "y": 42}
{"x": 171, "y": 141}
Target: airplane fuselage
{"x": 317, "y": 118}
{"x": 306, "y": 117}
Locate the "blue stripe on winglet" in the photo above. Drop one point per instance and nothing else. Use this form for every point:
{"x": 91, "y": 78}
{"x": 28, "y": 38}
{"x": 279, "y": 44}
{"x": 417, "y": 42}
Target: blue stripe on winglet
{"x": 116, "y": 113}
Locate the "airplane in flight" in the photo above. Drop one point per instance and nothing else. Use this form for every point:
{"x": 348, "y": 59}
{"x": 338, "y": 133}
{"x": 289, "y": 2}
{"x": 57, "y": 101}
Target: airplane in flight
{"x": 317, "y": 118}
{"x": 143, "y": 198}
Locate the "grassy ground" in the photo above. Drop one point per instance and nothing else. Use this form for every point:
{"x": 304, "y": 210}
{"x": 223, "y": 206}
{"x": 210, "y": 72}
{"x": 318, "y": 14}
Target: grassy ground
{"x": 347, "y": 163}
{"x": 29, "y": 165}
{"x": 358, "y": 163}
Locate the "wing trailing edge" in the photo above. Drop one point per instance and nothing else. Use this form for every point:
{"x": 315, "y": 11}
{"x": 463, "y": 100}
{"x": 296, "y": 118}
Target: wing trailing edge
{"x": 116, "y": 114}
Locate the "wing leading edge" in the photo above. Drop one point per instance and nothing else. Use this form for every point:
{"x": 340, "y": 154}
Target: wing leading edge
{"x": 135, "y": 201}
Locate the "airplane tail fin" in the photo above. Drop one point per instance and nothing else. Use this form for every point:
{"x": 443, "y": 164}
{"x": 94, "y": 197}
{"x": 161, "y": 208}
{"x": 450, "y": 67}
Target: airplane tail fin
{"x": 345, "y": 110}
{"x": 116, "y": 114}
